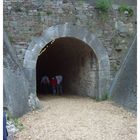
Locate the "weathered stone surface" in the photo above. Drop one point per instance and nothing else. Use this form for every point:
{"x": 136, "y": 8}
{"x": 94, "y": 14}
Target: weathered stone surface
{"x": 33, "y": 102}
{"x": 124, "y": 28}
{"x": 124, "y": 87}
{"x": 16, "y": 90}
{"x": 16, "y": 86}
{"x": 37, "y": 3}
{"x": 11, "y": 129}
{"x": 118, "y": 48}
{"x": 30, "y": 76}
{"x": 115, "y": 6}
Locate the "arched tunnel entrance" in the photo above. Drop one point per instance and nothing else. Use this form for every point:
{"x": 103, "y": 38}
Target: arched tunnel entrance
{"x": 74, "y": 53}
{"x": 74, "y": 60}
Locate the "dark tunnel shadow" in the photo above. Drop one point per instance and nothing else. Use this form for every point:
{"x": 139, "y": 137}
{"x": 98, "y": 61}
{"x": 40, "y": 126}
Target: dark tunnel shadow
{"x": 71, "y": 58}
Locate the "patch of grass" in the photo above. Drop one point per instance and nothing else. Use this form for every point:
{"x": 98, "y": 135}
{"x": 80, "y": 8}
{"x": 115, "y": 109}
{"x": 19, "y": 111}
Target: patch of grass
{"x": 49, "y": 13}
{"x": 81, "y": 2}
{"x": 15, "y": 121}
{"x": 103, "y": 5}
{"x": 104, "y": 97}
{"x": 18, "y": 6}
{"x": 124, "y": 8}
{"x": 41, "y": 14}
{"x": 18, "y": 124}
{"x": 11, "y": 38}
{"x": 103, "y": 17}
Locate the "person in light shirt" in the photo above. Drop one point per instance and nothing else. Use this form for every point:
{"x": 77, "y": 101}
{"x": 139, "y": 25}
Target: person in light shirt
{"x": 59, "y": 79}
{"x": 45, "y": 82}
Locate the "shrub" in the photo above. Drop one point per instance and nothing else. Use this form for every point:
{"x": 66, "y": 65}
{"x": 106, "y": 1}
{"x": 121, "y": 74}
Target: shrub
{"x": 15, "y": 121}
{"x": 104, "y": 97}
{"x": 49, "y": 13}
{"x": 18, "y": 7}
{"x": 103, "y": 5}
{"x": 18, "y": 124}
{"x": 124, "y": 8}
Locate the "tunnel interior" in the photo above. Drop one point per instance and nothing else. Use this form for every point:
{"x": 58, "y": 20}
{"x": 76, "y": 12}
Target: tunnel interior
{"x": 74, "y": 60}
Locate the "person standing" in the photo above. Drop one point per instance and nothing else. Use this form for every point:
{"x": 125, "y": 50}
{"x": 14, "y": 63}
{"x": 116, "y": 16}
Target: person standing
{"x": 45, "y": 82}
{"x": 5, "y": 133}
{"x": 53, "y": 83}
{"x": 59, "y": 79}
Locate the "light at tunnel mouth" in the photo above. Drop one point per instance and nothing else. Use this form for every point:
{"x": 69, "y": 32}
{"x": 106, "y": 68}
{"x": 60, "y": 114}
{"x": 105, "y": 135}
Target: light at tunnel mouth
{"x": 74, "y": 60}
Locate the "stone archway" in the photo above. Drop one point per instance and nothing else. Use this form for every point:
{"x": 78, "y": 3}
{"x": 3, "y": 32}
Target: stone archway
{"x": 68, "y": 30}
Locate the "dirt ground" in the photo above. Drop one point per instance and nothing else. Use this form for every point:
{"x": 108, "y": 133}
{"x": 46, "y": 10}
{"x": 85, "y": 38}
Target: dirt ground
{"x": 77, "y": 118}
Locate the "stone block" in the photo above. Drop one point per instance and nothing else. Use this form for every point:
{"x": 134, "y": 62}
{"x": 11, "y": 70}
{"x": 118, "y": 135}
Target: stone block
{"x": 123, "y": 89}
{"x": 16, "y": 92}
{"x": 124, "y": 28}
{"x": 31, "y": 64}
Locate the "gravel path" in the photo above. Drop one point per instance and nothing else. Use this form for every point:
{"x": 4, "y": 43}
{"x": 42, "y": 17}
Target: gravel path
{"x": 77, "y": 118}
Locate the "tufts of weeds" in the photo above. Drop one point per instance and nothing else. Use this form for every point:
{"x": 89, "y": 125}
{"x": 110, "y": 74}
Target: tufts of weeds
{"x": 15, "y": 121}
{"x": 49, "y": 13}
{"x": 103, "y": 5}
{"x": 125, "y": 8}
{"x": 18, "y": 124}
{"x": 104, "y": 97}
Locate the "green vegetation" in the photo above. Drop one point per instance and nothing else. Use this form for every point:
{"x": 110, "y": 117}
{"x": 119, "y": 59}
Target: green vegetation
{"x": 124, "y": 8}
{"x": 103, "y": 17}
{"x": 18, "y": 124}
{"x": 18, "y": 6}
{"x": 103, "y": 5}
{"x": 15, "y": 121}
{"x": 81, "y": 2}
{"x": 104, "y": 97}
{"x": 11, "y": 38}
{"x": 41, "y": 14}
{"x": 49, "y": 13}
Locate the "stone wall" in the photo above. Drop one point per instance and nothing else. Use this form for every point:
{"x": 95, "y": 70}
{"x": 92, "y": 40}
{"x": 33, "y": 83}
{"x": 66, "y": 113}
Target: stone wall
{"x": 85, "y": 79}
{"x": 124, "y": 87}
{"x": 16, "y": 86}
{"x": 15, "y": 98}
{"x": 25, "y": 19}
{"x": 31, "y": 24}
